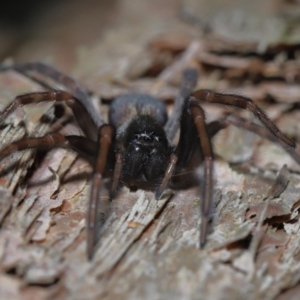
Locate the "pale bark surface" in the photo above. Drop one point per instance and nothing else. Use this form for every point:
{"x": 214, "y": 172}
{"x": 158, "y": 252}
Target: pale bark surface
{"x": 147, "y": 249}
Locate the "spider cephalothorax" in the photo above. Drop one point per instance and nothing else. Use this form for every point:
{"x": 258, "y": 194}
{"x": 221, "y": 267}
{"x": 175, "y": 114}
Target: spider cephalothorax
{"x": 136, "y": 143}
{"x": 141, "y": 138}
{"x": 146, "y": 149}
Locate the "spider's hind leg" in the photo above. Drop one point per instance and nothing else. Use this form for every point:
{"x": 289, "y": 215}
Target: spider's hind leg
{"x": 215, "y": 126}
{"x": 243, "y": 103}
{"x": 82, "y": 114}
{"x": 79, "y": 144}
{"x": 41, "y": 73}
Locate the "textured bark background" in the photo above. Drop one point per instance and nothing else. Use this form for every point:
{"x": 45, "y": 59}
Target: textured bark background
{"x": 148, "y": 249}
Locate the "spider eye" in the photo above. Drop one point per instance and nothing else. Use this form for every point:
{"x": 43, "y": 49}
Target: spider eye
{"x": 143, "y": 136}
{"x": 154, "y": 151}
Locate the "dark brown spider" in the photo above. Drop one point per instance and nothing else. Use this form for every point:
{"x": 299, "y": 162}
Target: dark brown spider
{"x": 136, "y": 143}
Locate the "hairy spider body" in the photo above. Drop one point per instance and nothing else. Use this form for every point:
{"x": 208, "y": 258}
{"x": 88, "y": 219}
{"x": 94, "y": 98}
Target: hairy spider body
{"x": 137, "y": 141}
{"x": 140, "y": 138}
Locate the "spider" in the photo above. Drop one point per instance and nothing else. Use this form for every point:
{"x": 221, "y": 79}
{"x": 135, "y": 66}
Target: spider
{"x": 136, "y": 143}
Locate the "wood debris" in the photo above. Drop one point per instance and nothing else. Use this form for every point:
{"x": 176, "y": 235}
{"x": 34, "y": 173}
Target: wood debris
{"x": 147, "y": 249}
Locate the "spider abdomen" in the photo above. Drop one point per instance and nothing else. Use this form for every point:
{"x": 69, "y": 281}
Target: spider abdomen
{"x": 125, "y": 107}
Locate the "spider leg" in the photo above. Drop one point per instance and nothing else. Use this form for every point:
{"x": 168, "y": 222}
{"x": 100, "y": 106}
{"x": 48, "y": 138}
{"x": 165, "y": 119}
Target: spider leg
{"x": 189, "y": 81}
{"x": 168, "y": 174}
{"x": 81, "y": 113}
{"x": 215, "y": 126}
{"x": 192, "y": 124}
{"x": 86, "y": 148}
{"x": 117, "y": 173}
{"x": 180, "y": 112}
{"x": 47, "y": 71}
{"x": 82, "y": 145}
{"x": 244, "y": 103}
{"x": 198, "y": 116}
{"x": 105, "y": 138}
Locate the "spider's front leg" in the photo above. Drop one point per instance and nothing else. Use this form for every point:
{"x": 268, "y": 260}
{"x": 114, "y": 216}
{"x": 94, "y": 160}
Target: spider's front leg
{"x": 106, "y": 136}
{"x": 86, "y": 148}
{"x": 193, "y": 132}
{"x": 193, "y": 125}
{"x": 207, "y": 154}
